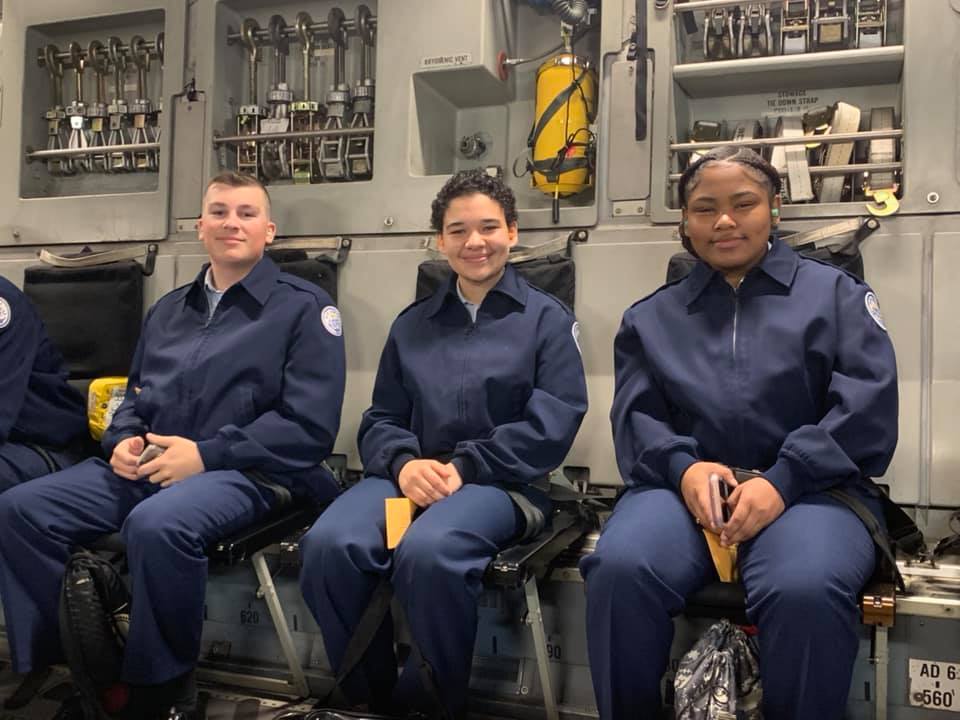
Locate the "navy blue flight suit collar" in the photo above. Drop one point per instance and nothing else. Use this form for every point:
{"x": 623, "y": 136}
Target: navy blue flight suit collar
{"x": 258, "y": 284}
{"x": 779, "y": 264}
{"x": 509, "y": 285}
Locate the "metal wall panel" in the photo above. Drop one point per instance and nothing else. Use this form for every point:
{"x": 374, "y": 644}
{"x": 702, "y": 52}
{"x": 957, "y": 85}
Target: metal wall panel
{"x": 893, "y": 266}
{"x": 614, "y": 270}
{"x": 945, "y": 394}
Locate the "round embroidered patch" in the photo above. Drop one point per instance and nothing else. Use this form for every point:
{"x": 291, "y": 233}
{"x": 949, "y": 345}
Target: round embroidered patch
{"x": 330, "y": 317}
{"x": 873, "y": 307}
{"x": 6, "y": 314}
{"x": 575, "y": 331}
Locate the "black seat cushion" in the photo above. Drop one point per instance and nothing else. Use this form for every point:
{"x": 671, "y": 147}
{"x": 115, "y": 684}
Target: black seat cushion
{"x": 92, "y": 314}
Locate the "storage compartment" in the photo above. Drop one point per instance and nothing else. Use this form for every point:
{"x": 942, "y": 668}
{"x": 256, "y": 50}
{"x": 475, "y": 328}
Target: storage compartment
{"x": 301, "y": 84}
{"x": 816, "y": 85}
{"x": 92, "y": 83}
{"x": 89, "y": 93}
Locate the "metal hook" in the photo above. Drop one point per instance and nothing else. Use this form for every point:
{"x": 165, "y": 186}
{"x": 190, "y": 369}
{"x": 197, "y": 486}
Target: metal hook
{"x": 248, "y": 35}
{"x": 278, "y": 37}
{"x": 365, "y": 25}
{"x": 884, "y": 202}
{"x": 140, "y": 53}
{"x": 303, "y": 23}
{"x": 117, "y": 57}
{"x": 96, "y": 57}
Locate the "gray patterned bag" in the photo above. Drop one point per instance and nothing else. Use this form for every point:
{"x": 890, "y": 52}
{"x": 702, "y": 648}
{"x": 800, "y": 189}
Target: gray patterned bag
{"x": 719, "y": 678}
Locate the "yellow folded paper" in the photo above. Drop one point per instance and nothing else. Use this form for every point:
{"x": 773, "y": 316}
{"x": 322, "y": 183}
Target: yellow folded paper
{"x": 724, "y": 558}
{"x": 399, "y": 514}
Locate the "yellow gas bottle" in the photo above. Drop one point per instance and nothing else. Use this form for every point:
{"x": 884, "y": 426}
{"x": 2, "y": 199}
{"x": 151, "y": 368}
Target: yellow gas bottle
{"x": 561, "y": 140}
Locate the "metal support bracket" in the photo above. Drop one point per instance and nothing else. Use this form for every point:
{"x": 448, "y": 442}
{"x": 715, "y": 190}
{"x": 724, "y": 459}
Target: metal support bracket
{"x": 881, "y": 662}
{"x": 535, "y": 620}
{"x": 269, "y": 593}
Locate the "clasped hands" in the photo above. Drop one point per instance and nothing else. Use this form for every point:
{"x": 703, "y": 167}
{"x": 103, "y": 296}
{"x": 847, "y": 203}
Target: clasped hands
{"x": 180, "y": 459}
{"x": 426, "y": 481}
{"x": 753, "y": 505}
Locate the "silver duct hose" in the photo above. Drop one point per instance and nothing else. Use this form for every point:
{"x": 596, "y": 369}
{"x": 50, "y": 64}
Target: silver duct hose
{"x": 572, "y": 12}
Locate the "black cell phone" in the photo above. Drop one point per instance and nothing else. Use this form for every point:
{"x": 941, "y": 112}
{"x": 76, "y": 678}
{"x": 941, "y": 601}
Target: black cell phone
{"x": 743, "y": 475}
{"x": 724, "y": 494}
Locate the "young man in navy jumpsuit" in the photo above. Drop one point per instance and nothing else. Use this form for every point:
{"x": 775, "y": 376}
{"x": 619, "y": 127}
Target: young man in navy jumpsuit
{"x": 480, "y": 390}
{"x": 38, "y": 409}
{"x": 758, "y": 359}
{"x": 241, "y": 370}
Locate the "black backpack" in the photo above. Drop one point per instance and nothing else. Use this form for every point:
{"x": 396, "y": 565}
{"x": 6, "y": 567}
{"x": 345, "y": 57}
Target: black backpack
{"x": 94, "y": 617}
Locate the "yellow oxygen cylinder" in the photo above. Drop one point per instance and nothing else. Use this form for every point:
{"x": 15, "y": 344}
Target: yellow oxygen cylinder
{"x": 561, "y": 140}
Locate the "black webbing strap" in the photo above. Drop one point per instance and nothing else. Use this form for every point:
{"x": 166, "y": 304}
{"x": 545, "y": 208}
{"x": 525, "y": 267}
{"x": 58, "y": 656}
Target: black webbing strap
{"x": 553, "y": 108}
{"x": 902, "y": 529}
{"x": 640, "y": 99}
{"x": 880, "y": 538}
{"x": 281, "y": 495}
{"x": 363, "y": 635}
{"x": 52, "y": 465}
{"x": 551, "y": 169}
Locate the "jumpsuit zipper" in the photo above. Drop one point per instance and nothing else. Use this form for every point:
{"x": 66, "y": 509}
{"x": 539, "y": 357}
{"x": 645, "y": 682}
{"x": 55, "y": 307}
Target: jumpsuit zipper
{"x": 463, "y": 373}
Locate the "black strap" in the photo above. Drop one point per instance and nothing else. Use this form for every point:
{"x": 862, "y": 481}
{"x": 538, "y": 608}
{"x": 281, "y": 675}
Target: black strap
{"x": 52, "y": 465}
{"x": 363, "y": 635}
{"x": 640, "y": 99}
{"x": 902, "y": 529}
{"x": 551, "y": 169}
{"x": 366, "y": 629}
{"x": 281, "y": 495}
{"x": 949, "y": 543}
{"x": 553, "y": 108}
{"x": 533, "y": 519}
{"x": 880, "y": 538}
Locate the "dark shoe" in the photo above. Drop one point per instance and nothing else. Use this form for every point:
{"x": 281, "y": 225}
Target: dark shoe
{"x": 27, "y": 689}
{"x": 181, "y": 713}
{"x": 71, "y": 709}
{"x": 198, "y": 711}
{"x": 192, "y": 706}
{"x": 163, "y": 701}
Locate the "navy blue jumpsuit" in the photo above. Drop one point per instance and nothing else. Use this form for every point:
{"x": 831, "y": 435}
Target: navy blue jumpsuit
{"x": 502, "y": 400}
{"x": 37, "y": 405}
{"x": 793, "y": 374}
{"x": 258, "y": 386}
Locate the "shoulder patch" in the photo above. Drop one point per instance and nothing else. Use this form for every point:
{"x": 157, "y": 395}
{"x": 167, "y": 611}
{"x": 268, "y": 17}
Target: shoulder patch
{"x": 873, "y": 307}
{"x": 330, "y": 317}
{"x": 6, "y": 314}
{"x": 575, "y": 331}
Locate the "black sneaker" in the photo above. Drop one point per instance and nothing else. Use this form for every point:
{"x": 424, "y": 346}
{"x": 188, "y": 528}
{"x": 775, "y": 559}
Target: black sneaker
{"x": 27, "y": 689}
{"x": 71, "y": 709}
{"x": 163, "y": 701}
